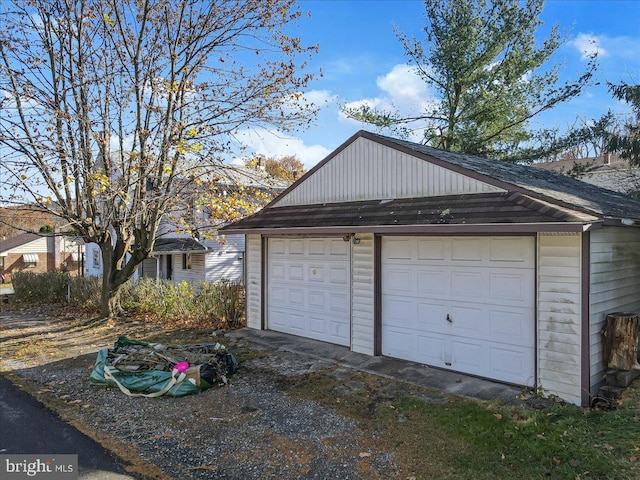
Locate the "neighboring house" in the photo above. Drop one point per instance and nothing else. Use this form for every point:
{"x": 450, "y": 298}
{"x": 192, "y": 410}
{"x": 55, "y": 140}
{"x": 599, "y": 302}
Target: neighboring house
{"x": 184, "y": 258}
{"x": 607, "y": 171}
{"x": 180, "y": 256}
{"x": 40, "y": 253}
{"x": 493, "y": 269}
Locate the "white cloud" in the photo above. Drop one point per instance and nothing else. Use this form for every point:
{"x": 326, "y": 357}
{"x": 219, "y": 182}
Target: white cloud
{"x": 320, "y": 97}
{"x": 402, "y": 91}
{"x": 588, "y": 44}
{"x": 276, "y": 145}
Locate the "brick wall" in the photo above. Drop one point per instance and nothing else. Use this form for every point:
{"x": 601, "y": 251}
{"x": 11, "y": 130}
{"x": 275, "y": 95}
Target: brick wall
{"x": 13, "y": 262}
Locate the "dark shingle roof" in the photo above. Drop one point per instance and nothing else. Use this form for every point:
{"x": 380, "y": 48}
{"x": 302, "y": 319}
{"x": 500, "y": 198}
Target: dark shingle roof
{"x": 473, "y": 209}
{"x": 165, "y": 245}
{"x": 554, "y": 186}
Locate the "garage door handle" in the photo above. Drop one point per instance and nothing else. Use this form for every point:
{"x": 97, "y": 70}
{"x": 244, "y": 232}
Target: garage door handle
{"x": 449, "y": 318}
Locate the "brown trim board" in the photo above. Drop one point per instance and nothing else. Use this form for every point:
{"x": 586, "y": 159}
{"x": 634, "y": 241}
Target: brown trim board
{"x": 585, "y": 364}
{"x": 425, "y": 229}
{"x": 377, "y": 295}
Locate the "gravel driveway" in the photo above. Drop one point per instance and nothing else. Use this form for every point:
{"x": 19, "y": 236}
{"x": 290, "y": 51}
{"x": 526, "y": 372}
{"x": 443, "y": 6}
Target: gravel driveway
{"x": 251, "y": 428}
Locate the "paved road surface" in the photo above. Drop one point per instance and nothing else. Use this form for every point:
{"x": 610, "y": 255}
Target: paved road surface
{"x": 27, "y": 426}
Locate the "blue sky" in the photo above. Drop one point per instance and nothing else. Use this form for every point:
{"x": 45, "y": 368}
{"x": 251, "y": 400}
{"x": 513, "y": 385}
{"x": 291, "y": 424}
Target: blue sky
{"x": 362, "y": 60}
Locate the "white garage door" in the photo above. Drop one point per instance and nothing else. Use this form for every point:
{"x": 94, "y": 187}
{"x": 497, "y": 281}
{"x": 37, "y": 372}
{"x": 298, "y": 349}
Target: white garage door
{"x": 463, "y": 303}
{"x": 309, "y": 289}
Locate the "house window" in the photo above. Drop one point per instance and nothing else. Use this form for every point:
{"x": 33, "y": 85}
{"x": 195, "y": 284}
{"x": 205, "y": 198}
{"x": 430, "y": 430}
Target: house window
{"x": 186, "y": 261}
{"x": 30, "y": 260}
{"x": 96, "y": 259}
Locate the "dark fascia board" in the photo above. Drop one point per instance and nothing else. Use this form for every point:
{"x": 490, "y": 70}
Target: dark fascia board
{"x": 480, "y": 229}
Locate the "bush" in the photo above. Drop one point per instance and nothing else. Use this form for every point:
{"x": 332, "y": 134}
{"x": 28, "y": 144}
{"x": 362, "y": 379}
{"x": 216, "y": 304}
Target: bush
{"x": 49, "y": 287}
{"x": 85, "y": 292}
{"x": 220, "y": 303}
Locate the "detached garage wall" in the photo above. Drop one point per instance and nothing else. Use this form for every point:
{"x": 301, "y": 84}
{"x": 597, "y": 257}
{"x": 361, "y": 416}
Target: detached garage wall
{"x": 615, "y": 286}
{"x": 362, "y": 298}
{"x": 253, "y": 258}
{"x": 559, "y": 315}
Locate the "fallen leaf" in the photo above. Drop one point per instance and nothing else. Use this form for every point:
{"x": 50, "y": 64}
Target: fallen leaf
{"x": 541, "y": 436}
{"x": 607, "y": 447}
{"x": 557, "y": 462}
{"x": 633, "y": 458}
{"x": 574, "y": 463}
{"x": 498, "y": 416}
{"x": 364, "y": 454}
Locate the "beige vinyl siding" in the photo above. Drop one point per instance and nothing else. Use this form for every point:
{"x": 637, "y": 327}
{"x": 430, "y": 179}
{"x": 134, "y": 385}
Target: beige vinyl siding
{"x": 362, "y": 295}
{"x": 149, "y": 267}
{"x": 614, "y": 286}
{"x": 559, "y": 314}
{"x": 224, "y": 265}
{"x": 39, "y": 245}
{"x": 194, "y": 274}
{"x": 366, "y": 170}
{"x": 253, "y": 259}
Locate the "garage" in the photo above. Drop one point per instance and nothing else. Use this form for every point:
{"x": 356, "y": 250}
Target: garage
{"x": 309, "y": 287}
{"x": 462, "y": 303}
{"x": 468, "y": 264}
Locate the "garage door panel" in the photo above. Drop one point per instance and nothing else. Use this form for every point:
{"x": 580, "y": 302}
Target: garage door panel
{"x": 469, "y": 285}
{"x": 467, "y": 356}
{"x": 514, "y": 366}
{"x": 401, "y": 312}
{"x": 398, "y": 249}
{"x": 431, "y": 281}
{"x": 431, "y": 317}
{"x": 295, "y": 297}
{"x": 467, "y": 321}
{"x": 399, "y": 344}
{"x": 338, "y": 248}
{"x": 295, "y": 273}
{"x": 296, "y": 247}
{"x": 510, "y": 327}
{"x": 399, "y": 280}
{"x": 487, "y": 287}
{"x": 510, "y": 287}
{"x": 431, "y": 249}
{"x": 339, "y": 302}
{"x": 509, "y": 249}
{"x": 308, "y": 288}
{"x": 317, "y": 247}
{"x": 316, "y": 273}
{"x": 431, "y": 349}
{"x": 339, "y": 274}
{"x": 277, "y": 271}
{"x": 466, "y": 249}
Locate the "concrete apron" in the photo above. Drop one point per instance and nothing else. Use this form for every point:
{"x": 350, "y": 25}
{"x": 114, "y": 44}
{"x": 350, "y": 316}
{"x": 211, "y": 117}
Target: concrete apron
{"x": 394, "y": 369}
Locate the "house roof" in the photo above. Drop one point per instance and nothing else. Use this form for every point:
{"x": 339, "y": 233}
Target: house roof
{"x": 557, "y": 188}
{"x": 178, "y": 245}
{"x": 17, "y": 241}
{"x": 532, "y": 196}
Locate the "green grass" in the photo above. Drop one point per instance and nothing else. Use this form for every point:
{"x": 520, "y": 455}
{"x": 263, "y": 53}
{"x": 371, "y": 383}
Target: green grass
{"x": 467, "y": 439}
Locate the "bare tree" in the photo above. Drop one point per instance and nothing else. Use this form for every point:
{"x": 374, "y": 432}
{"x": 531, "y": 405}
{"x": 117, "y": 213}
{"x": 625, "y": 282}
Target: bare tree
{"x": 110, "y": 110}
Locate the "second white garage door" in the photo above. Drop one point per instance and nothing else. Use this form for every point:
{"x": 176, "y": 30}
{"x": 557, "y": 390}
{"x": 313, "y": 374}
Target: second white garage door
{"x": 309, "y": 288}
{"x": 464, "y": 303}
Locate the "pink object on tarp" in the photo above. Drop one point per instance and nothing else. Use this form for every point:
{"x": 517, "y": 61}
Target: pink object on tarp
{"x": 181, "y": 367}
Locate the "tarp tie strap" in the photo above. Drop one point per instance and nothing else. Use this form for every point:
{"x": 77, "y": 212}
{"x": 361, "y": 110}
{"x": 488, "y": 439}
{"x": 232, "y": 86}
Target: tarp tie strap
{"x": 176, "y": 377}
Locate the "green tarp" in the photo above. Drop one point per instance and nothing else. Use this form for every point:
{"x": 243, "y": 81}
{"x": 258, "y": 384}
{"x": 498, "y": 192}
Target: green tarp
{"x": 146, "y": 369}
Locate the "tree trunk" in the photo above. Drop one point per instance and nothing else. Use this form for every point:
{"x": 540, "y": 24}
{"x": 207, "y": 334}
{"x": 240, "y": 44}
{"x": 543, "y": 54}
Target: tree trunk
{"x": 110, "y": 299}
{"x": 620, "y": 335}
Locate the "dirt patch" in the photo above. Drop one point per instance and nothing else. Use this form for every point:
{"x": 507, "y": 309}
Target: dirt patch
{"x": 251, "y": 428}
